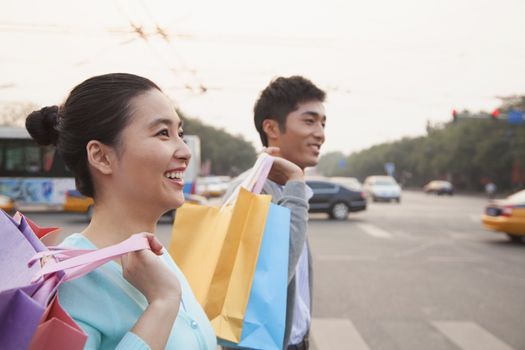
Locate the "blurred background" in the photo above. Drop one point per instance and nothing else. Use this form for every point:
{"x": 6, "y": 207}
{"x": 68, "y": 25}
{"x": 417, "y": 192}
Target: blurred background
{"x": 418, "y": 211}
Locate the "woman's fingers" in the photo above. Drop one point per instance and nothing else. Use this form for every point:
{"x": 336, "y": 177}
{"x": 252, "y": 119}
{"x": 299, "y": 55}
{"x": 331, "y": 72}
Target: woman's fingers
{"x": 154, "y": 243}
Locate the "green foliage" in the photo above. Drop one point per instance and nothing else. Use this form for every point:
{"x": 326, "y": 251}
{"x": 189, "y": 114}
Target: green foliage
{"x": 330, "y": 164}
{"x": 468, "y": 152}
{"x": 228, "y": 154}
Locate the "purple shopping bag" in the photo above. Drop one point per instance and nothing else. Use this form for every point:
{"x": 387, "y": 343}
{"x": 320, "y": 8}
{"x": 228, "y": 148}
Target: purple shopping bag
{"x": 30, "y": 313}
{"x": 22, "y": 304}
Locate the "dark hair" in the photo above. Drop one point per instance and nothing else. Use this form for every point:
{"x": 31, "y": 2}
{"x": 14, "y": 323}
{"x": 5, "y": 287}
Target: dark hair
{"x": 282, "y": 97}
{"x": 97, "y": 109}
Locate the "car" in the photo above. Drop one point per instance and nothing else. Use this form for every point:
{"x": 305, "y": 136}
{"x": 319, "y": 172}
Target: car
{"x": 382, "y": 188}
{"x": 507, "y": 216}
{"x": 76, "y": 202}
{"x": 439, "y": 187}
{"x": 212, "y": 186}
{"x": 335, "y": 199}
{"x": 350, "y": 182}
{"x": 7, "y": 204}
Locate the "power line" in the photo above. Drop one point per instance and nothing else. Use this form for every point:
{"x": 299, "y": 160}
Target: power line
{"x": 196, "y": 86}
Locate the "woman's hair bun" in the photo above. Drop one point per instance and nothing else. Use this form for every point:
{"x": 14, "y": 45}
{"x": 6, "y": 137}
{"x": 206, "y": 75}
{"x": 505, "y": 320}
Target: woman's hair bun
{"x": 42, "y": 125}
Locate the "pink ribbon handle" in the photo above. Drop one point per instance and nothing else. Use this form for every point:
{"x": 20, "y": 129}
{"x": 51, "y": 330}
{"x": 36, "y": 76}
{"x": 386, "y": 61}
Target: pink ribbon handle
{"x": 263, "y": 174}
{"x": 79, "y": 263}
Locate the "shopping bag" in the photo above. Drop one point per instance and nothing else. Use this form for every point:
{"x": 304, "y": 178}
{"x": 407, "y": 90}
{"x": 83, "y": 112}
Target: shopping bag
{"x": 218, "y": 249}
{"x": 20, "y": 311}
{"x": 47, "y": 235}
{"x": 57, "y": 330}
{"x": 31, "y": 315}
{"x": 265, "y": 318}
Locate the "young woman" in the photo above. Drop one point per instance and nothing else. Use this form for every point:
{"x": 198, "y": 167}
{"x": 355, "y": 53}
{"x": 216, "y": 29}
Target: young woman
{"x": 123, "y": 141}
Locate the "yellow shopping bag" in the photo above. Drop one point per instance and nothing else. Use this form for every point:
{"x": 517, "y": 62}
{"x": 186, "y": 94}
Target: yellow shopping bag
{"x": 217, "y": 250}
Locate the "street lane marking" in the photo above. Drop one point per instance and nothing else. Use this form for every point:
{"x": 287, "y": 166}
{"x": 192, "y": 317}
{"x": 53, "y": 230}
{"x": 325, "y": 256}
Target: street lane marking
{"x": 336, "y": 333}
{"x": 345, "y": 257}
{"x": 470, "y": 336}
{"x": 374, "y": 231}
{"x": 453, "y": 259}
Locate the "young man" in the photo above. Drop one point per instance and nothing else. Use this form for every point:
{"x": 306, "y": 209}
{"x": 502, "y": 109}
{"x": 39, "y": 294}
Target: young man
{"x": 290, "y": 118}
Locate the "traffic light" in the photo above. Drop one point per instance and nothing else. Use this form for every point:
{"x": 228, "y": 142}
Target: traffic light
{"x": 495, "y": 114}
{"x": 454, "y": 115}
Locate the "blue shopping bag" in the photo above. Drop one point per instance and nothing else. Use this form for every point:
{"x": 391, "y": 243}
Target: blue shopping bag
{"x": 264, "y": 321}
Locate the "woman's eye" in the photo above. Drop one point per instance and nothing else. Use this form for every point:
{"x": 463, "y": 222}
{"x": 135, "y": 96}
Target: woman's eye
{"x": 309, "y": 121}
{"x": 163, "y": 132}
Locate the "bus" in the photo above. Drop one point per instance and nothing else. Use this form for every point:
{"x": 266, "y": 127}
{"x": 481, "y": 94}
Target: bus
{"x": 36, "y": 178}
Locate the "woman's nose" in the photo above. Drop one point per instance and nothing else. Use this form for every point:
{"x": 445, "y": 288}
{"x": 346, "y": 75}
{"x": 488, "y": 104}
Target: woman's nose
{"x": 182, "y": 151}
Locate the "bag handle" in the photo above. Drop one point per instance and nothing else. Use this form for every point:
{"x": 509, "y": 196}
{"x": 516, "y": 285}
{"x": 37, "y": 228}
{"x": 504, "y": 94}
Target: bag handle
{"x": 80, "y": 263}
{"x": 256, "y": 178}
{"x": 59, "y": 253}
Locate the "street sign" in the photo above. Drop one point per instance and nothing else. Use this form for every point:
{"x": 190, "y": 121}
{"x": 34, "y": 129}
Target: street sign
{"x": 390, "y": 168}
{"x": 515, "y": 117}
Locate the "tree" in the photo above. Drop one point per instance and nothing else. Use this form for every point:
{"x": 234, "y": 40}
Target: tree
{"x": 332, "y": 164}
{"x": 228, "y": 154}
{"x": 470, "y": 152}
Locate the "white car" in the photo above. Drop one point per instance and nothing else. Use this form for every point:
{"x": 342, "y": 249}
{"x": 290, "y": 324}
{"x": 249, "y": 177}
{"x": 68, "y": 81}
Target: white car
{"x": 212, "y": 186}
{"x": 350, "y": 182}
{"x": 382, "y": 188}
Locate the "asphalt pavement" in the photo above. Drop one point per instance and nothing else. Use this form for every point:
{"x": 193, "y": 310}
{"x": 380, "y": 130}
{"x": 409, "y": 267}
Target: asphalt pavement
{"x": 422, "y": 274}
{"x": 419, "y": 275}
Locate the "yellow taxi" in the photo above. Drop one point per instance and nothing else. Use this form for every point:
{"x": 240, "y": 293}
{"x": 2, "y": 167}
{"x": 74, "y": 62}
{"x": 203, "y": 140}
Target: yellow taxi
{"x": 7, "y": 204}
{"x": 507, "y": 216}
{"x": 76, "y": 202}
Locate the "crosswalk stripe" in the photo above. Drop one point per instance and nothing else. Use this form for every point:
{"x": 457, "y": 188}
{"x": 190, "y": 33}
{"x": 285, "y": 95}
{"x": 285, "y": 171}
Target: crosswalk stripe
{"x": 336, "y": 333}
{"x": 374, "y": 231}
{"x": 470, "y": 336}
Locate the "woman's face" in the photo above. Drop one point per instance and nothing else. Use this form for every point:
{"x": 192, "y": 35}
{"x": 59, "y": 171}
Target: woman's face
{"x": 152, "y": 155}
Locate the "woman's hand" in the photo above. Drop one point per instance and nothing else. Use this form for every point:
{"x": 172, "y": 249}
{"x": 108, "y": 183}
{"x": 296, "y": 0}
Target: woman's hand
{"x": 283, "y": 170}
{"x": 152, "y": 277}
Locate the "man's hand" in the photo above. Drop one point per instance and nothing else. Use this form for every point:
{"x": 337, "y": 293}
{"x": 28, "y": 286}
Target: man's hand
{"x": 283, "y": 170}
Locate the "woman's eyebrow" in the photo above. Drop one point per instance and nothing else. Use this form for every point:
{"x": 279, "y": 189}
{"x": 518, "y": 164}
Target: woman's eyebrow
{"x": 166, "y": 121}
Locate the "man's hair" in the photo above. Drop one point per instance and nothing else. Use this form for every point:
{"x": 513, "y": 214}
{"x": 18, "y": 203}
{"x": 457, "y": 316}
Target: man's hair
{"x": 282, "y": 97}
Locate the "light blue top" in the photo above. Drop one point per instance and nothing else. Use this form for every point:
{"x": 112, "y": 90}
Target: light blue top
{"x": 106, "y": 307}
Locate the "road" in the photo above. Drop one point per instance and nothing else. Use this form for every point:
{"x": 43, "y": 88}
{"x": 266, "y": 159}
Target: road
{"x": 420, "y": 275}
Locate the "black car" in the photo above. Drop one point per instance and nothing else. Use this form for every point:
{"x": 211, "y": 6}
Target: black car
{"x": 335, "y": 199}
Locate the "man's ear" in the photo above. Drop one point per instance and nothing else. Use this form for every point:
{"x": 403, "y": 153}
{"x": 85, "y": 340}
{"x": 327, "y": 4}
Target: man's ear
{"x": 100, "y": 156}
{"x": 271, "y": 128}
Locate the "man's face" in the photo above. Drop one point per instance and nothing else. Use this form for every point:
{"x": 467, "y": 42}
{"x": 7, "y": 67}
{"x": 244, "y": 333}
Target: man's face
{"x": 303, "y": 137}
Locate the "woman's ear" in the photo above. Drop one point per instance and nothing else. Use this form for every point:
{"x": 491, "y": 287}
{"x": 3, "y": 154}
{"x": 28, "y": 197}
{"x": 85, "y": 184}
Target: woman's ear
{"x": 271, "y": 128}
{"x": 100, "y": 157}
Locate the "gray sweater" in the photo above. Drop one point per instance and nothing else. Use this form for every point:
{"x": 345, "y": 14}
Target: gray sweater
{"x": 293, "y": 197}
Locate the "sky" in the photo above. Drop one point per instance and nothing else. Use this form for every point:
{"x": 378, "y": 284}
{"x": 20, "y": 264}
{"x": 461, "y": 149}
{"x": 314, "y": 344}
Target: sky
{"x": 389, "y": 67}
